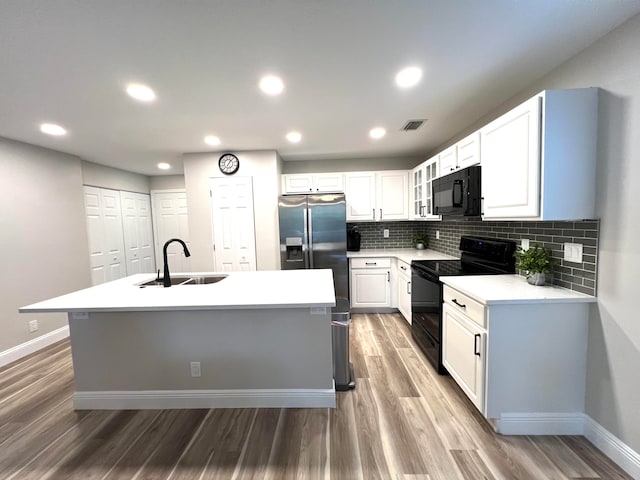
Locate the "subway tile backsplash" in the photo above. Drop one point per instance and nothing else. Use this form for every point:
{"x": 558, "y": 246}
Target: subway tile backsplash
{"x": 580, "y": 277}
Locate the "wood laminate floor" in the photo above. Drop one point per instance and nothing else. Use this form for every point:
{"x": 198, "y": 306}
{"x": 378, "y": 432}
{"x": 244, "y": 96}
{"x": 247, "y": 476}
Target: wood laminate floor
{"x": 403, "y": 421}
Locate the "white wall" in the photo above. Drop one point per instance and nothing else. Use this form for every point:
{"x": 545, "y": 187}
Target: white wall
{"x": 351, "y": 165}
{"x": 264, "y": 167}
{"x": 613, "y": 356}
{"x": 43, "y": 236}
{"x": 166, "y": 182}
{"x": 107, "y": 177}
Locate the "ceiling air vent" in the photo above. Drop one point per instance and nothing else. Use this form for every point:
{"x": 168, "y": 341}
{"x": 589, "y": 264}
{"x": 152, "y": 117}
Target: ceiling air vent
{"x": 412, "y": 125}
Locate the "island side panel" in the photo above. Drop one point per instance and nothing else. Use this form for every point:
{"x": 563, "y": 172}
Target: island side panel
{"x": 287, "y": 349}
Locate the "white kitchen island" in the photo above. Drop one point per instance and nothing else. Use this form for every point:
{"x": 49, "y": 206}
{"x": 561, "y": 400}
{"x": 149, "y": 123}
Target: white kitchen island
{"x": 262, "y": 339}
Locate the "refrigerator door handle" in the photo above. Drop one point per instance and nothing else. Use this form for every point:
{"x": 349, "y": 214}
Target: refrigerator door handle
{"x": 307, "y": 239}
{"x": 310, "y": 234}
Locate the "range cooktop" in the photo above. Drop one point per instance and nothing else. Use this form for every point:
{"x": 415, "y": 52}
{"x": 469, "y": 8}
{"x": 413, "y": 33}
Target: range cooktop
{"x": 480, "y": 256}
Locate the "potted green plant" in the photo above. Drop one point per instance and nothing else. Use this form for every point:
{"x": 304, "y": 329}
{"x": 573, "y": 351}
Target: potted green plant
{"x": 537, "y": 262}
{"x": 419, "y": 241}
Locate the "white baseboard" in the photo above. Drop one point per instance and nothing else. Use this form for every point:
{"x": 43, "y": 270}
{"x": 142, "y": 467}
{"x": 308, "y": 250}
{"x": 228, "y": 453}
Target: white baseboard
{"x": 572, "y": 424}
{"x": 540, "y": 424}
{"x": 170, "y": 399}
{"x": 614, "y": 448}
{"x": 32, "y": 346}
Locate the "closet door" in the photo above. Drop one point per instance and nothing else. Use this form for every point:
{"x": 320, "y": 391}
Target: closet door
{"x": 104, "y": 228}
{"x": 170, "y": 220}
{"x": 138, "y": 232}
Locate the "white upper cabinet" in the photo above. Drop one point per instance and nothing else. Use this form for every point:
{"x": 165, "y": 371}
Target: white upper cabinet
{"x": 511, "y": 167}
{"x": 360, "y": 194}
{"x": 539, "y": 159}
{"x": 448, "y": 160}
{"x": 463, "y": 154}
{"x": 313, "y": 183}
{"x": 421, "y": 192}
{"x": 392, "y": 195}
{"x": 377, "y": 195}
{"x": 469, "y": 150}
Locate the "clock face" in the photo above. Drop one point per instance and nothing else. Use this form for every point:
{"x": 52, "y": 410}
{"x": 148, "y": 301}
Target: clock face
{"x": 229, "y": 164}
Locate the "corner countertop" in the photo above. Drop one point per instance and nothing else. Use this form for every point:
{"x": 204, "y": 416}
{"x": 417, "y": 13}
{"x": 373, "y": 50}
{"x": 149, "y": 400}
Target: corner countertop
{"x": 240, "y": 290}
{"x": 404, "y": 254}
{"x": 512, "y": 289}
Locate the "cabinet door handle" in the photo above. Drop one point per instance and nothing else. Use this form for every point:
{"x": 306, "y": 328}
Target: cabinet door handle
{"x": 380, "y": 214}
{"x": 476, "y": 347}
{"x": 403, "y": 268}
{"x": 388, "y": 276}
{"x": 409, "y": 288}
{"x": 374, "y": 213}
{"x": 370, "y": 263}
{"x": 461, "y": 305}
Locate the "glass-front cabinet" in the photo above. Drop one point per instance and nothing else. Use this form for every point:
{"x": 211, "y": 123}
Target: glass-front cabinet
{"x": 421, "y": 199}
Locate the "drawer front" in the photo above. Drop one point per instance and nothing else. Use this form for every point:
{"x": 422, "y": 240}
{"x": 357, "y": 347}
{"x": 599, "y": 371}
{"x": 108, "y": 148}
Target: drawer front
{"x": 465, "y": 304}
{"x": 371, "y": 263}
{"x": 404, "y": 268}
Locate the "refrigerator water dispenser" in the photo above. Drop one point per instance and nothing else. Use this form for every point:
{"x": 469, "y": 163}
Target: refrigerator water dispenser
{"x": 294, "y": 249}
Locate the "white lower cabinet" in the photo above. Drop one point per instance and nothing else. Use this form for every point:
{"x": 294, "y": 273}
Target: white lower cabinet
{"x": 370, "y": 282}
{"x": 463, "y": 353}
{"x": 522, "y": 364}
{"x": 404, "y": 289}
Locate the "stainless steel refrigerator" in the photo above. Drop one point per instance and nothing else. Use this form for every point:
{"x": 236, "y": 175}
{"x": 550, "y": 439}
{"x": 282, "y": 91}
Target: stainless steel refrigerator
{"x": 313, "y": 234}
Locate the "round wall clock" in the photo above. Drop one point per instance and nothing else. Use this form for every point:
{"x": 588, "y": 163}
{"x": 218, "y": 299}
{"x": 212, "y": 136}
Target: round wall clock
{"x": 229, "y": 164}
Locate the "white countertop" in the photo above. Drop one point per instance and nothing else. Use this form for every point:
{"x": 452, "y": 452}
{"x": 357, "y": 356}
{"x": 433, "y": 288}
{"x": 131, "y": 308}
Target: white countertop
{"x": 240, "y": 290}
{"x": 404, "y": 254}
{"x": 512, "y": 289}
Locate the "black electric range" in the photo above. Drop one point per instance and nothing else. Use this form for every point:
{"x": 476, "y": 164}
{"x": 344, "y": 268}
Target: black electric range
{"x": 479, "y": 256}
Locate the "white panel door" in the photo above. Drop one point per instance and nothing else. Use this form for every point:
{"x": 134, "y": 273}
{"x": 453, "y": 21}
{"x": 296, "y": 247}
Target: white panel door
{"x": 370, "y": 288}
{"x": 510, "y": 152}
{"x": 170, "y": 220}
{"x": 104, "y": 228}
{"x": 131, "y": 234}
{"x": 95, "y": 231}
{"x": 463, "y": 350}
{"x": 360, "y": 194}
{"x": 138, "y": 232}
{"x": 392, "y": 194}
{"x": 233, "y": 223}
{"x": 114, "y": 238}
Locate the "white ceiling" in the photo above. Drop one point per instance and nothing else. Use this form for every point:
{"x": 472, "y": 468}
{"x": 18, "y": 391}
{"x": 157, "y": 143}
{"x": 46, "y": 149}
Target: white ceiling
{"x": 67, "y": 61}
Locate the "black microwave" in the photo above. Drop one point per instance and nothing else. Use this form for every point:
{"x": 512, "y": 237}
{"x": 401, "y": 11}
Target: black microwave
{"x": 457, "y": 194}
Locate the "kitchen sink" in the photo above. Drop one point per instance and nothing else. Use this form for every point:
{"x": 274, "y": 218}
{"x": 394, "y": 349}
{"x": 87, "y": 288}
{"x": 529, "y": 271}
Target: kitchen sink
{"x": 184, "y": 280}
{"x": 205, "y": 279}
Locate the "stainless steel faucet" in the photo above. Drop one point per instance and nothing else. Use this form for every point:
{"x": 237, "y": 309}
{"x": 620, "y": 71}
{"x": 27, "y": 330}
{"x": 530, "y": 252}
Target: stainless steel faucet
{"x": 167, "y": 277}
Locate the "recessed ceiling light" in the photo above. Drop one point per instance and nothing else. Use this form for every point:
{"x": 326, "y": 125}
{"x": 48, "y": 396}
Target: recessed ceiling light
{"x": 52, "y": 129}
{"x": 294, "y": 137}
{"x": 271, "y": 85}
{"x": 164, "y": 166}
{"x": 141, "y": 92}
{"x": 377, "y": 132}
{"x": 212, "y": 140}
{"x": 408, "y": 77}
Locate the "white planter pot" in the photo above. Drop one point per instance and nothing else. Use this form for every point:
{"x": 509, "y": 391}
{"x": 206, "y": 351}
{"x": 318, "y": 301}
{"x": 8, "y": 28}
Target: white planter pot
{"x": 536, "y": 278}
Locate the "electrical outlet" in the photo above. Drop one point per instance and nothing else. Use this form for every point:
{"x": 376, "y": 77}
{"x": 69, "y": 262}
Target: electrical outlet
{"x": 195, "y": 369}
{"x": 573, "y": 252}
{"x": 437, "y": 234}
{"x": 385, "y": 233}
{"x": 33, "y": 326}
{"x": 524, "y": 244}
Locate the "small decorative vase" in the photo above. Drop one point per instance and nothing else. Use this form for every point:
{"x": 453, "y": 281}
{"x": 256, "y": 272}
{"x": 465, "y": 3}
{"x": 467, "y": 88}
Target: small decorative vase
{"x": 536, "y": 278}
{"x": 420, "y": 246}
